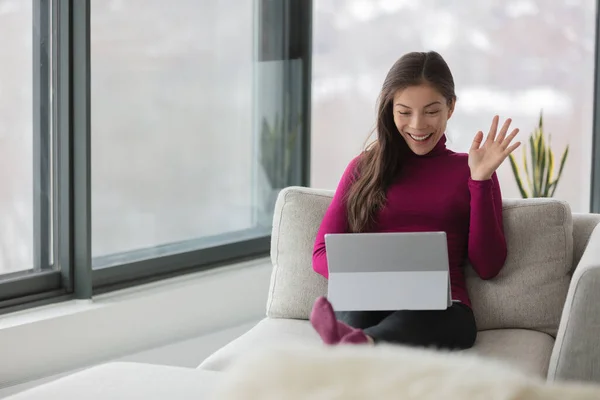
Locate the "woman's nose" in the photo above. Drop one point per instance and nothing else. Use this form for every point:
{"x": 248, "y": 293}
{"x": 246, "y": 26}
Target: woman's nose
{"x": 417, "y": 122}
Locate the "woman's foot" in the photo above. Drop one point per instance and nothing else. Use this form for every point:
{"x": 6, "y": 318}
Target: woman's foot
{"x": 323, "y": 320}
{"x": 329, "y": 328}
{"x": 357, "y": 336}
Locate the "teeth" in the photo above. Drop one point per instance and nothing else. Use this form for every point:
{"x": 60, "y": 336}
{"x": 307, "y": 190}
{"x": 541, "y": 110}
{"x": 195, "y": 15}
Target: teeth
{"x": 420, "y": 138}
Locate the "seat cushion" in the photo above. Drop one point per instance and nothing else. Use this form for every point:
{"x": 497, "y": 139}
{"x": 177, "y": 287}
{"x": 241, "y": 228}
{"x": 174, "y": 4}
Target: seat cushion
{"x": 269, "y": 331}
{"x": 529, "y": 292}
{"x": 126, "y": 381}
{"x": 528, "y": 350}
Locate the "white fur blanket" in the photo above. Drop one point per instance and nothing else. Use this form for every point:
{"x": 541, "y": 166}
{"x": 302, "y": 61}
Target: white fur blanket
{"x": 382, "y": 373}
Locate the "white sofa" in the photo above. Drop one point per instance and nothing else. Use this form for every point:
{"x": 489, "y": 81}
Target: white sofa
{"x": 125, "y": 381}
{"x": 541, "y": 313}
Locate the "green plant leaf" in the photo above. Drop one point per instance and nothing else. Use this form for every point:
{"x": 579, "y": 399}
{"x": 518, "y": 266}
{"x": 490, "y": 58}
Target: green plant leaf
{"x": 537, "y": 167}
{"x": 517, "y": 175}
{"x": 533, "y": 165}
{"x": 540, "y": 179}
{"x": 551, "y": 188}
{"x": 526, "y": 168}
{"x": 277, "y": 153}
{"x": 563, "y": 159}
{"x": 543, "y": 159}
{"x": 549, "y": 173}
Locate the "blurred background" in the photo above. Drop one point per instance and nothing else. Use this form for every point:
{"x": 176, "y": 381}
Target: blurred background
{"x": 179, "y": 142}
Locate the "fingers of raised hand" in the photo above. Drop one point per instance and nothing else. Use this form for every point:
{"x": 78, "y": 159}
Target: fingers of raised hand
{"x": 506, "y": 140}
{"x": 477, "y": 141}
{"x": 512, "y": 148}
{"x": 503, "y": 130}
{"x": 493, "y": 128}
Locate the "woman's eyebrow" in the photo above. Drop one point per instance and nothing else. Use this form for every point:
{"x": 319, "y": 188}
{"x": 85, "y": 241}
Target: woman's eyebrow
{"x": 428, "y": 105}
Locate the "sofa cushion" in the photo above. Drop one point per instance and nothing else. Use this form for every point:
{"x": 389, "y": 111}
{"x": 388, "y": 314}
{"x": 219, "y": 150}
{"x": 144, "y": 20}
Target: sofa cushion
{"x": 528, "y": 350}
{"x": 384, "y": 373}
{"x": 123, "y": 380}
{"x": 267, "y": 332}
{"x": 530, "y": 290}
{"x": 528, "y": 293}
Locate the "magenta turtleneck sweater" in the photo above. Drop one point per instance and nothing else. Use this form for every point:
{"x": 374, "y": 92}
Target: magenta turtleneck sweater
{"x": 434, "y": 192}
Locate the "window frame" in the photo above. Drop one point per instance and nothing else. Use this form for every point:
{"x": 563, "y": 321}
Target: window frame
{"x": 62, "y": 168}
{"x": 146, "y": 265}
{"x": 40, "y": 282}
{"x": 595, "y": 150}
{"x": 42, "y": 134}
{"x": 141, "y": 266}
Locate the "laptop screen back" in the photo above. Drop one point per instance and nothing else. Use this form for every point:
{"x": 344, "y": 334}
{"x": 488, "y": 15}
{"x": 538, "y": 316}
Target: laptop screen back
{"x": 387, "y": 252}
{"x": 388, "y": 271}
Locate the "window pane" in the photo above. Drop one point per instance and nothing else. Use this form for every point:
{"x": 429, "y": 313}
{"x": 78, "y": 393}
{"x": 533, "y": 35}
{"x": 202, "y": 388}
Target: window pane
{"x": 16, "y": 133}
{"x": 512, "y": 58}
{"x": 184, "y": 148}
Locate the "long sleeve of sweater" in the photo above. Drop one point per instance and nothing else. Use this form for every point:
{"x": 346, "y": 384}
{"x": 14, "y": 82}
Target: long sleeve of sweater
{"x": 334, "y": 221}
{"x": 487, "y": 244}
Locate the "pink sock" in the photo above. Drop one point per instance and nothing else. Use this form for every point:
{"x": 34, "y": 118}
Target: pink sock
{"x": 323, "y": 320}
{"x": 357, "y": 336}
{"x": 344, "y": 329}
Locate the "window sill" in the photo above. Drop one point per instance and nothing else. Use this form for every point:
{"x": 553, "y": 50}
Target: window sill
{"x": 75, "y": 333}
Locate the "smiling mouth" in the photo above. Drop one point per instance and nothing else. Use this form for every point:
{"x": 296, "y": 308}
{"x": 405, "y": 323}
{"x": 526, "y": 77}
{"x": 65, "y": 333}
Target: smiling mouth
{"x": 420, "y": 138}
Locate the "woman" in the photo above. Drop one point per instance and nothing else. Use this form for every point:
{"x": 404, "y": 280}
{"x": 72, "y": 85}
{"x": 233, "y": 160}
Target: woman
{"x": 408, "y": 181}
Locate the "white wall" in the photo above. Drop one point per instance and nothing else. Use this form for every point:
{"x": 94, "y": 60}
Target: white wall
{"x": 64, "y": 337}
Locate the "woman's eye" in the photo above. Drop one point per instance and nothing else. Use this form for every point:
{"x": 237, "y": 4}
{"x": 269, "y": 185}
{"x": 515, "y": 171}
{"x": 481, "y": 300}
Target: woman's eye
{"x": 404, "y": 113}
{"x": 433, "y": 112}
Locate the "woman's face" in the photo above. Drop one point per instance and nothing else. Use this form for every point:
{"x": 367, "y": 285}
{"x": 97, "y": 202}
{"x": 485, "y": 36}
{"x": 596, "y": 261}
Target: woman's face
{"x": 420, "y": 114}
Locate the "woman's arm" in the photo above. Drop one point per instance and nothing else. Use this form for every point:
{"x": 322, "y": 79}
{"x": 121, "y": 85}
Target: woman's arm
{"x": 335, "y": 219}
{"x": 487, "y": 245}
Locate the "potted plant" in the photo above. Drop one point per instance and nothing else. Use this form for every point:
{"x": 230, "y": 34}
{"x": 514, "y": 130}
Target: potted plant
{"x": 279, "y": 159}
{"x": 540, "y": 180}
{"x": 277, "y": 155}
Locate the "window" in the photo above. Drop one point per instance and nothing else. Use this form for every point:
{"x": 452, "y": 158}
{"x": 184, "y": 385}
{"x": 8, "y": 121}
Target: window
{"x": 27, "y": 257}
{"x": 512, "y": 58}
{"x": 16, "y": 137}
{"x": 191, "y": 136}
{"x": 172, "y": 140}
{"x": 158, "y": 140}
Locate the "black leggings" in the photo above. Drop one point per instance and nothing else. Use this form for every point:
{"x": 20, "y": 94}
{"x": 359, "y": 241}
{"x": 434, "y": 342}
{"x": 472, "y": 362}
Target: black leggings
{"x": 453, "y": 328}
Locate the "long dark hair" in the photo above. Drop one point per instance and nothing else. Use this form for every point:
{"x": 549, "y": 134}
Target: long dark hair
{"x": 380, "y": 163}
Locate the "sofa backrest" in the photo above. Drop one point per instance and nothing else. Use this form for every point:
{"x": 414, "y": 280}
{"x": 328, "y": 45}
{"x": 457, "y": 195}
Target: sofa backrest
{"x": 294, "y": 284}
{"x": 528, "y": 293}
{"x": 583, "y": 225}
{"x": 530, "y": 290}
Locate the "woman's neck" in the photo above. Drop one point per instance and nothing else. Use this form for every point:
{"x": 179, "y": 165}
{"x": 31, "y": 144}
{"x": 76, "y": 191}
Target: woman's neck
{"x": 438, "y": 149}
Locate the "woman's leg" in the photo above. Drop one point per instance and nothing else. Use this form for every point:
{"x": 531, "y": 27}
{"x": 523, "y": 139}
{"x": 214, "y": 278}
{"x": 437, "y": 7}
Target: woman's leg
{"x": 453, "y": 328}
{"x": 362, "y": 319}
{"x": 342, "y": 327}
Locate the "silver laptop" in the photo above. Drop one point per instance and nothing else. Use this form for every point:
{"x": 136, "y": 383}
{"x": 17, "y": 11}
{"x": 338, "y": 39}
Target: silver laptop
{"x": 388, "y": 271}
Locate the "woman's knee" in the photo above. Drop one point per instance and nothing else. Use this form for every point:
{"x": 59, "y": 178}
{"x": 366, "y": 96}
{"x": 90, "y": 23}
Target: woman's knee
{"x": 361, "y": 319}
{"x": 356, "y": 319}
{"x": 467, "y": 340}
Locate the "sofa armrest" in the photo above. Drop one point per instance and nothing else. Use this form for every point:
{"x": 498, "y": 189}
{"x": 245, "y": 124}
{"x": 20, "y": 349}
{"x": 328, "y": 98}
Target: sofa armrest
{"x": 576, "y": 353}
